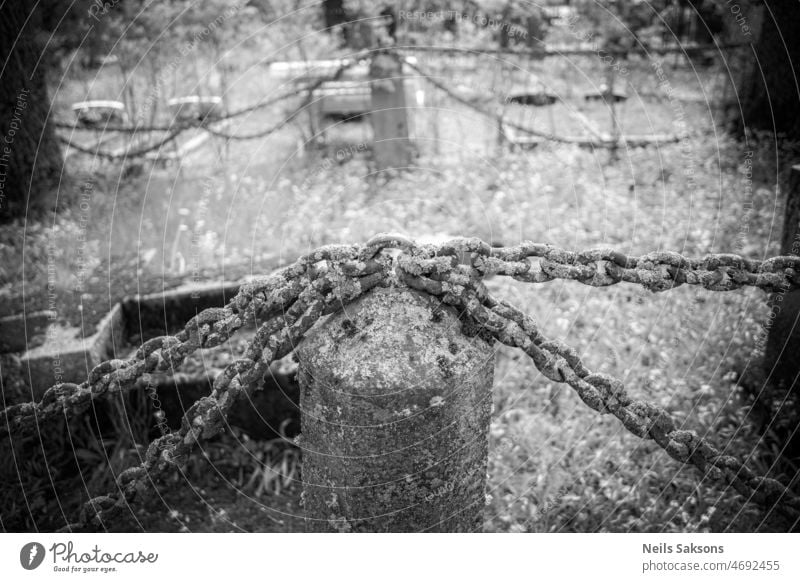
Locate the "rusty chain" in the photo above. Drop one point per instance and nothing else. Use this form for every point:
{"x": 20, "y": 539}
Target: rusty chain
{"x": 287, "y": 303}
{"x": 289, "y": 117}
{"x": 656, "y": 271}
{"x": 323, "y": 292}
{"x": 545, "y": 51}
{"x": 432, "y": 79}
{"x": 461, "y": 286}
{"x": 178, "y": 128}
{"x": 600, "y": 267}
{"x": 261, "y": 299}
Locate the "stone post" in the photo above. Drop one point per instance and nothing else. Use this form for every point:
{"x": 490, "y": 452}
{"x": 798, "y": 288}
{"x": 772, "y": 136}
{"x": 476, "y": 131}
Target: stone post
{"x": 395, "y": 403}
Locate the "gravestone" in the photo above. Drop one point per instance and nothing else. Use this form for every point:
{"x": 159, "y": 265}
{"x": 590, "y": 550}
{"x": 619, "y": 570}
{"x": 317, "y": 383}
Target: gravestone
{"x": 392, "y": 148}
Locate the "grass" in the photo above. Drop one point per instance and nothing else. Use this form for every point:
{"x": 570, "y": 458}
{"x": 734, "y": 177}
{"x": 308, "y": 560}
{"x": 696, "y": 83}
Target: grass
{"x": 558, "y": 466}
{"x": 554, "y": 464}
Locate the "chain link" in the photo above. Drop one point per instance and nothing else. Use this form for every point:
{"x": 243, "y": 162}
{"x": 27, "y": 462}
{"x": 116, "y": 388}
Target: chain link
{"x": 323, "y": 292}
{"x": 601, "y": 392}
{"x": 260, "y": 299}
{"x": 286, "y": 304}
{"x": 657, "y": 271}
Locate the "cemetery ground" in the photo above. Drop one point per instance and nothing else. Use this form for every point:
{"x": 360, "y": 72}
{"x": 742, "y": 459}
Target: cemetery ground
{"x": 244, "y": 208}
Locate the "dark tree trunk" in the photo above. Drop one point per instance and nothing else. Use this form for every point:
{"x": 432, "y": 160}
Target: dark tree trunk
{"x": 770, "y": 93}
{"x": 334, "y": 13}
{"x": 391, "y": 22}
{"x": 781, "y": 364}
{"x": 30, "y": 157}
{"x": 783, "y": 342}
{"x": 505, "y": 32}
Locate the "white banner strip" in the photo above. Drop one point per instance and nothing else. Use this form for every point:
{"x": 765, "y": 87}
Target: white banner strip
{"x": 379, "y": 557}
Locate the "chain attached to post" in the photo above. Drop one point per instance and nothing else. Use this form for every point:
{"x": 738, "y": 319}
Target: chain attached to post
{"x": 285, "y": 305}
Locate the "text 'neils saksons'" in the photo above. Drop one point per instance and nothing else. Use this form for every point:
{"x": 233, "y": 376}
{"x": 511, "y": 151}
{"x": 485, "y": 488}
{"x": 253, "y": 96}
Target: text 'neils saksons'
{"x": 664, "y": 548}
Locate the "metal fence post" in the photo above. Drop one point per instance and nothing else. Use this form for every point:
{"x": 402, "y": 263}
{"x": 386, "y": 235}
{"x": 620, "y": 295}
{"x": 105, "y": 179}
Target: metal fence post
{"x": 395, "y": 404}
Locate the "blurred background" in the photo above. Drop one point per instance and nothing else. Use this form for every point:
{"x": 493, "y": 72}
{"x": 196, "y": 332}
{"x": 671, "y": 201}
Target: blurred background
{"x": 151, "y": 146}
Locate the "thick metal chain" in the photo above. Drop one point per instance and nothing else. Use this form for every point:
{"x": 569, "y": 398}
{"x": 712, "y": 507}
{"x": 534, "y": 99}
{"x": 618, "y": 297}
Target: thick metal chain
{"x": 323, "y": 292}
{"x": 290, "y": 301}
{"x": 460, "y": 285}
{"x": 260, "y": 299}
{"x": 657, "y": 271}
{"x": 600, "y": 267}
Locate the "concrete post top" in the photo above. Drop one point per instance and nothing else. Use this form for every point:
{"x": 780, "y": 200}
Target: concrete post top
{"x": 394, "y": 337}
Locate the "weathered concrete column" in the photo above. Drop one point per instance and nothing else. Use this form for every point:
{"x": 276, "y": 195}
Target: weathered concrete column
{"x": 395, "y": 403}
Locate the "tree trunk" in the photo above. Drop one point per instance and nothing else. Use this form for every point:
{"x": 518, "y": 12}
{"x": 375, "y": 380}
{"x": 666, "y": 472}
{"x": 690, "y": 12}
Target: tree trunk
{"x": 770, "y": 93}
{"x": 783, "y": 342}
{"x": 334, "y": 13}
{"x": 505, "y": 31}
{"x": 30, "y": 156}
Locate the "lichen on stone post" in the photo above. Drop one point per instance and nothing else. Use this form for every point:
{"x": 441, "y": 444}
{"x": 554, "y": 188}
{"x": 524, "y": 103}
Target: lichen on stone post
{"x": 395, "y": 403}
